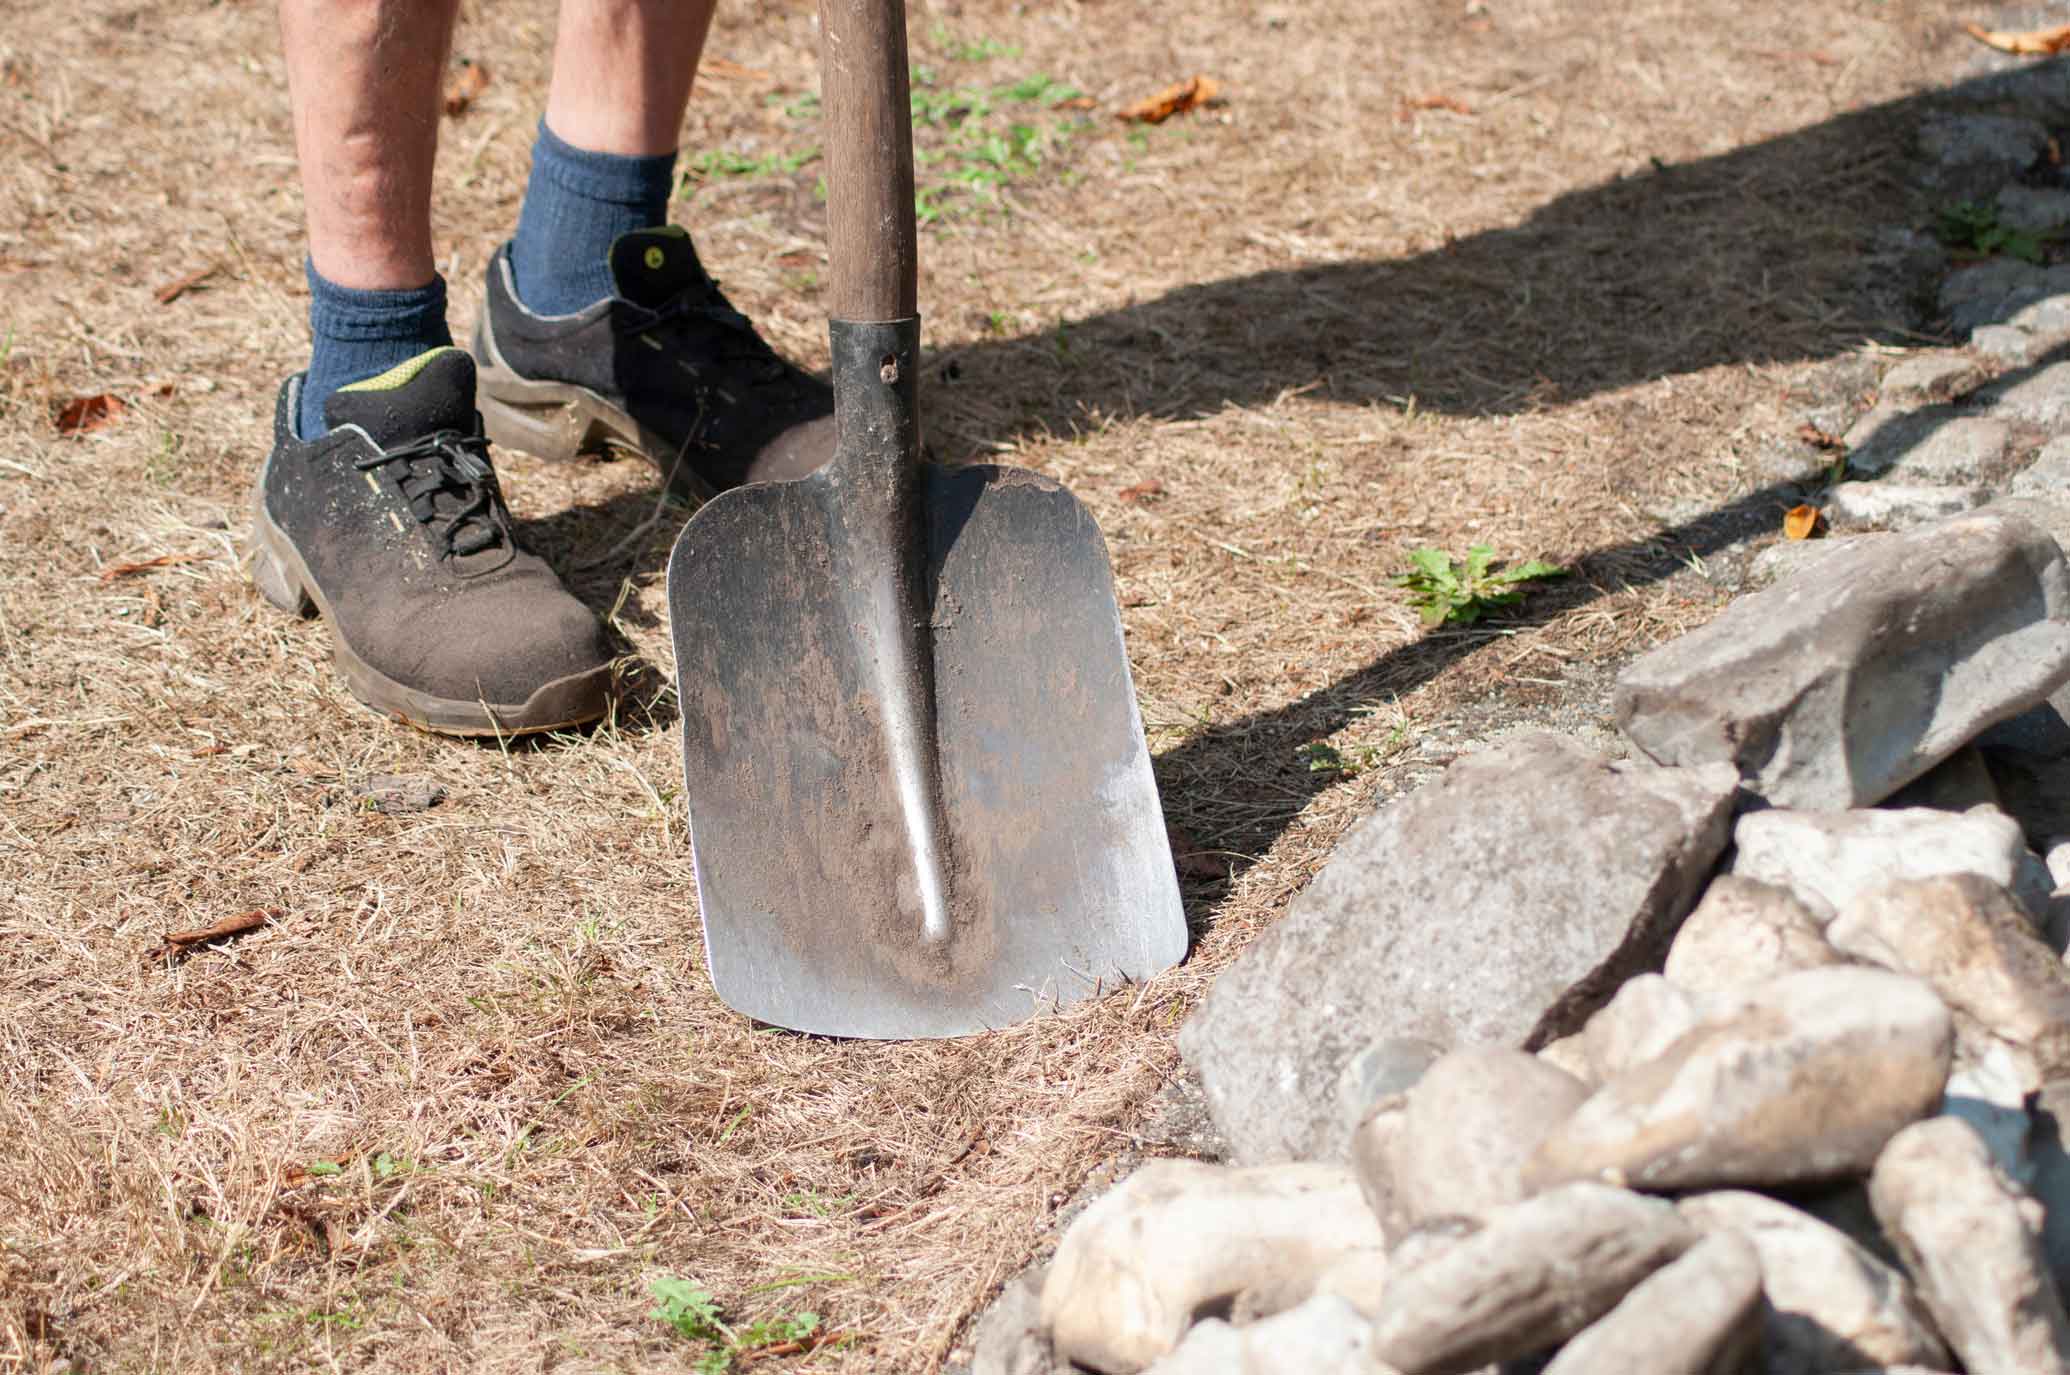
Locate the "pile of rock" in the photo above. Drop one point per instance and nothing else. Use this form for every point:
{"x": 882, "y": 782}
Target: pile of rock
{"x": 1469, "y": 1125}
{"x": 1750, "y": 1053}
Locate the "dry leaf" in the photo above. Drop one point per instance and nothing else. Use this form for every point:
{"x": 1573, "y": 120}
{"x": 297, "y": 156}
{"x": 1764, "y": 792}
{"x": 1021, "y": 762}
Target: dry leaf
{"x": 85, "y": 414}
{"x": 123, "y": 570}
{"x": 2024, "y": 43}
{"x": 1801, "y": 522}
{"x": 174, "y": 290}
{"x": 179, "y": 943}
{"x": 1436, "y": 100}
{"x": 464, "y": 85}
{"x": 1142, "y": 491}
{"x": 1818, "y": 438}
{"x": 1190, "y": 94}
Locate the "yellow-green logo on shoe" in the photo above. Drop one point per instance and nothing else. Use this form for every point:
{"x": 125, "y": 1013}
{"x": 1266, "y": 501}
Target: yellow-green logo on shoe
{"x": 655, "y": 258}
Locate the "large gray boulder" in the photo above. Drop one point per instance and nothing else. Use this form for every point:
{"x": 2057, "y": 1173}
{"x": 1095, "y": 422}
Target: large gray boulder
{"x": 1837, "y": 688}
{"x": 1500, "y": 904}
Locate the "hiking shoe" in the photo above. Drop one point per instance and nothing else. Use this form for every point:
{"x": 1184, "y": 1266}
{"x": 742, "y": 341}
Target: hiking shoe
{"x": 392, "y": 526}
{"x": 666, "y": 368}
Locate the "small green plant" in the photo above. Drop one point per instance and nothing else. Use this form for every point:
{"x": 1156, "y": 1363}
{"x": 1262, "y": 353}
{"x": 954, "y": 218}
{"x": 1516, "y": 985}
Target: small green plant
{"x": 691, "y": 1310}
{"x": 1973, "y": 227}
{"x": 1448, "y": 592}
{"x": 724, "y": 162}
{"x": 1321, "y": 757}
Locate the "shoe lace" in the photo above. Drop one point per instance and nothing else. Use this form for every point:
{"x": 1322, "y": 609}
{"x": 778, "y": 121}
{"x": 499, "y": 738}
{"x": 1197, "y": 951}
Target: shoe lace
{"x": 449, "y": 486}
{"x": 704, "y": 304}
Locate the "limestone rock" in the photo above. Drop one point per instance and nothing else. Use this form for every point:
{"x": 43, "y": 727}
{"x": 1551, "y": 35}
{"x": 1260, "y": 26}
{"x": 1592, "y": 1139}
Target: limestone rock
{"x": 1956, "y": 784}
{"x": 2047, "y": 478}
{"x": 1798, "y": 1080}
{"x": 1789, "y": 558}
{"x": 1828, "y": 859}
{"x": 2007, "y": 344}
{"x": 1978, "y": 948}
{"x": 1324, "y": 1334}
{"x": 1831, "y": 1305}
{"x": 2040, "y": 397}
{"x": 1471, "y": 1122}
{"x": 1648, "y": 1015}
{"x": 1388, "y": 1066}
{"x": 1963, "y": 1231}
{"x": 1897, "y": 506}
{"x": 1742, "y": 933}
{"x": 1372, "y": 1161}
{"x": 1010, "y": 1339}
{"x": 1539, "y": 1272}
{"x": 1178, "y": 1238}
{"x": 1932, "y": 444}
{"x": 1837, "y": 689}
{"x": 1358, "y": 1277}
{"x": 1563, "y": 874}
{"x": 1695, "y": 1316}
{"x": 1928, "y": 377}
{"x": 1970, "y": 156}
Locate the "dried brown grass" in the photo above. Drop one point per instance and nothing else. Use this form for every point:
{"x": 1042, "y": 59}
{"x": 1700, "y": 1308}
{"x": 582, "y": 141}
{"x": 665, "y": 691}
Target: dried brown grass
{"x": 1327, "y": 327}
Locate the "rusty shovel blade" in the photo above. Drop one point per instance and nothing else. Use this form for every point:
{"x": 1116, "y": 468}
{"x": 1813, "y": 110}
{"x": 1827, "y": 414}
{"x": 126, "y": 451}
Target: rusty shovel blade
{"x": 920, "y": 799}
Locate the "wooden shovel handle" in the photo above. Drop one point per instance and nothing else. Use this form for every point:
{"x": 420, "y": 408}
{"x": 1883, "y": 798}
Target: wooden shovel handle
{"x": 869, "y": 131}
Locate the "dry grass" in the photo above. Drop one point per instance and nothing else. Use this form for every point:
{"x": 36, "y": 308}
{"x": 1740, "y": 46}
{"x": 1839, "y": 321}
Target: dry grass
{"x": 1327, "y": 325}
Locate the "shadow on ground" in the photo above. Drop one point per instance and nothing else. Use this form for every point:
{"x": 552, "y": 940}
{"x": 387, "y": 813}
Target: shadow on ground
{"x": 1778, "y": 252}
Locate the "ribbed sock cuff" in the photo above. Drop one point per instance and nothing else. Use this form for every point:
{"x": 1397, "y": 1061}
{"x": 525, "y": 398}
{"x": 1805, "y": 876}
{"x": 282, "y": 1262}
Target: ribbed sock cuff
{"x": 355, "y": 334}
{"x": 576, "y": 205}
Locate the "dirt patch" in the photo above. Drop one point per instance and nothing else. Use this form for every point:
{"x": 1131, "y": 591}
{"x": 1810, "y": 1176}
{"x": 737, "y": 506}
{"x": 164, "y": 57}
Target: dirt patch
{"x": 1545, "y": 282}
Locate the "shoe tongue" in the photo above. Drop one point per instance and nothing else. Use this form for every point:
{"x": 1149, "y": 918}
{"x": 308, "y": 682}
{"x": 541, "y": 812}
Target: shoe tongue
{"x": 433, "y": 391}
{"x": 651, "y": 266}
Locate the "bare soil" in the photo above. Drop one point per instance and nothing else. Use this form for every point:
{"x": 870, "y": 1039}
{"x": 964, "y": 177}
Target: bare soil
{"x": 1531, "y": 273}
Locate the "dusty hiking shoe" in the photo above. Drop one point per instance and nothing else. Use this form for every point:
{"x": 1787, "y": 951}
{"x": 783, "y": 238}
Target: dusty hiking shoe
{"x": 392, "y": 526}
{"x": 666, "y": 368}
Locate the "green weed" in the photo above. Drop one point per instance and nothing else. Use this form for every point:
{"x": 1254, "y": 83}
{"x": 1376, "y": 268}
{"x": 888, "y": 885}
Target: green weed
{"x": 690, "y": 1309}
{"x": 1448, "y": 592}
{"x": 1973, "y": 227}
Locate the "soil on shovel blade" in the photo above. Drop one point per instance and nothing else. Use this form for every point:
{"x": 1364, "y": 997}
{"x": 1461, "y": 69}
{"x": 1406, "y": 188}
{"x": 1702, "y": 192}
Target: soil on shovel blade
{"x": 1543, "y": 276}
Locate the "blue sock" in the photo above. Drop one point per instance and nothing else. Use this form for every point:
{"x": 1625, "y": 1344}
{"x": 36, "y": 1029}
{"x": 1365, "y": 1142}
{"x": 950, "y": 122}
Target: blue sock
{"x": 358, "y": 334}
{"x": 576, "y": 204}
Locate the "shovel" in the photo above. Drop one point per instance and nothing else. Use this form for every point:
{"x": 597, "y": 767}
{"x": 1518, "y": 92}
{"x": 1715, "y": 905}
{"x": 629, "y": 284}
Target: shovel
{"x": 920, "y": 799}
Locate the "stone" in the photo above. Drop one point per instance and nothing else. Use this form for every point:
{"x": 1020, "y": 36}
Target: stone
{"x": 1979, "y": 950}
{"x": 1179, "y": 1238}
{"x": 1970, "y": 156}
{"x": 1996, "y": 288}
{"x": 1828, "y": 859}
{"x": 1796, "y": 1081}
{"x": 1990, "y": 1089}
{"x": 2047, "y": 318}
{"x": 1010, "y": 1339}
{"x": 2007, "y": 344}
{"x": 1831, "y": 1304}
{"x": 1790, "y": 558}
{"x": 1471, "y": 1122}
{"x": 399, "y": 794}
{"x": 1745, "y": 932}
{"x": 2049, "y": 1147}
{"x": 1357, "y": 1277}
{"x": 1932, "y": 444}
{"x": 1562, "y": 874}
{"x": 1924, "y": 378}
{"x": 2033, "y": 209}
{"x": 1965, "y": 1236}
{"x": 1897, "y": 506}
{"x": 2040, "y": 397}
{"x": 1389, "y": 1066}
{"x": 1838, "y": 687}
{"x": 1536, "y": 1274}
{"x": 1570, "y": 1055}
{"x": 1372, "y": 1161}
{"x": 2047, "y": 478}
{"x": 1648, "y": 1015}
{"x": 1696, "y": 1315}
{"x": 1956, "y": 784}
{"x": 1324, "y": 1334}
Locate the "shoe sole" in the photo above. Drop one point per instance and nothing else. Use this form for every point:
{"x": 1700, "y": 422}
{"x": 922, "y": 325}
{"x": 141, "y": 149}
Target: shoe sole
{"x": 283, "y": 579}
{"x": 560, "y": 421}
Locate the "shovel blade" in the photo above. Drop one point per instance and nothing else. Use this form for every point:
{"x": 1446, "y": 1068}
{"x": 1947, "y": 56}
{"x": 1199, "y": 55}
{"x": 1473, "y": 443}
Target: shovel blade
{"x": 1053, "y": 850}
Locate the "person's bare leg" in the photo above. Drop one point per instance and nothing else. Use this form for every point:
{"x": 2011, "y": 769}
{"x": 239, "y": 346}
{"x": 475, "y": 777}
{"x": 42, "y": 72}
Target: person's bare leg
{"x": 364, "y": 79}
{"x": 622, "y": 71}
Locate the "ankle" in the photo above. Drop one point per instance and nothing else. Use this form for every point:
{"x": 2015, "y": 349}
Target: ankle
{"x": 576, "y": 205}
{"x": 356, "y": 334}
